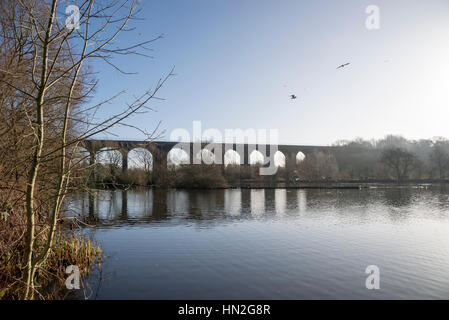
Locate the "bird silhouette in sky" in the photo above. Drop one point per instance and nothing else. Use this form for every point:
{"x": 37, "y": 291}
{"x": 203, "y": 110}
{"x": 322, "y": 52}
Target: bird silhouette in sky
{"x": 344, "y": 65}
{"x": 293, "y": 97}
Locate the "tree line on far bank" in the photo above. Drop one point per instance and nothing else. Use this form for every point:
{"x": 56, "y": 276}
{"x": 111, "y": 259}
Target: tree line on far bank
{"x": 395, "y": 158}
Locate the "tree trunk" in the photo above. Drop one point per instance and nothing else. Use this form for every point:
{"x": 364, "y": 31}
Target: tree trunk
{"x": 30, "y": 237}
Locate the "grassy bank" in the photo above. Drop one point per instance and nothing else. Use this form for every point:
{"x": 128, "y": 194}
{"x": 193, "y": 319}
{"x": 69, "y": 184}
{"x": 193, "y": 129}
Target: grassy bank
{"x": 68, "y": 249}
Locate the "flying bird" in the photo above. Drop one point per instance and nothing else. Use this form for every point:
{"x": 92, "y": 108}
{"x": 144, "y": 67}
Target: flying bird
{"x": 344, "y": 65}
{"x": 293, "y": 97}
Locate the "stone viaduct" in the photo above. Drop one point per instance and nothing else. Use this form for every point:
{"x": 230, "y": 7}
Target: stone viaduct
{"x": 160, "y": 150}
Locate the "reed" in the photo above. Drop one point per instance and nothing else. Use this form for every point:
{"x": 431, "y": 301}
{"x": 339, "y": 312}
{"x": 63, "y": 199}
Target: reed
{"x": 76, "y": 250}
{"x": 69, "y": 248}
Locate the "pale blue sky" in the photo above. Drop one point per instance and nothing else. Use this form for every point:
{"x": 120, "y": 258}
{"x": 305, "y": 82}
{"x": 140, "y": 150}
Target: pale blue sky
{"x": 237, "y": 62}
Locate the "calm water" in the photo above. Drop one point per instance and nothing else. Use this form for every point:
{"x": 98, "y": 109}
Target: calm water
{"x": 271, "y": 244}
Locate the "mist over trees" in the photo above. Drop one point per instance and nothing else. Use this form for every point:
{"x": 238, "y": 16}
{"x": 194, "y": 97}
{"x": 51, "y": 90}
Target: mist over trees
{"x": 393, "y": 157}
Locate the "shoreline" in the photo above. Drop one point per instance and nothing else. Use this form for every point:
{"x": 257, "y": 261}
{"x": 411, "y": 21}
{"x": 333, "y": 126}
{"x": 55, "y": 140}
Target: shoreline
{"x": 355, "y": 185}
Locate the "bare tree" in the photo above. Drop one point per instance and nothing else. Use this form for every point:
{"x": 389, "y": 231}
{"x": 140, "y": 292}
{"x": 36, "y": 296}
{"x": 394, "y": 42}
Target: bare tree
{"x": 144, "y": 159}
{"x": 111, "y": 158}
{"x": 400, "y": 161}
{"x": 50, "y": 84}
{"x": 319, "y": 165}
{"x": 439, "y": 160}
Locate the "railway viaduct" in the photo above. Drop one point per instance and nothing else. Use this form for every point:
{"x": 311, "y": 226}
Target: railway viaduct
{"x": 160, "y": 150}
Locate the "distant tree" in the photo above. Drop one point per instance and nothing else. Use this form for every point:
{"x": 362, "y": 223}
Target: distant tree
{"x": 141, "y": 167}
{"x": 392, "y": 141}
{"x": 143, "y": 159}
{"x": 357, "y": 143}
{"x": 439, "y": 160}
{"x": 400, "y": 161}
{"x": 319, "y": 165}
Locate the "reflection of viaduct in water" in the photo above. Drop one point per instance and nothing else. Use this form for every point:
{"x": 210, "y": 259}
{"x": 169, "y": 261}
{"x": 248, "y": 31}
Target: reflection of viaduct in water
{"x": 158, "y": 205}
{"x": 160, "y": 150}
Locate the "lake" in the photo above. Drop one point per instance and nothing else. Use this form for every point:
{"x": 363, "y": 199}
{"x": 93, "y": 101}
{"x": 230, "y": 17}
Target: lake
{"x": 269, "y": 243}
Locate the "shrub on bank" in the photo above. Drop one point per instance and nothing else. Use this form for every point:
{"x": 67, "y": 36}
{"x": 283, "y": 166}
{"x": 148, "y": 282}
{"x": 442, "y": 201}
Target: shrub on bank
{"x": 201, "y": 177}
